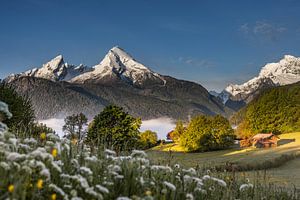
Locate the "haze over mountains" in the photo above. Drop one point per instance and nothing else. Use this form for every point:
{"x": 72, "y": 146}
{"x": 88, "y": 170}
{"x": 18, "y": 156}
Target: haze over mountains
{"x": 284, "y": 72}
{"x": 58, "y": 89}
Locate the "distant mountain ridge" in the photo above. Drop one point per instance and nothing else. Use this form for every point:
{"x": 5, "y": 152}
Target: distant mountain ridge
{"x": 54, "y": 70}
{"x": 286, "y": 71}
{"x": 58, "y": 88}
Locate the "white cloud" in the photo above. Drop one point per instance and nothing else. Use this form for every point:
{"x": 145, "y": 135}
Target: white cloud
{"x": 160, "y": 125}
{"x": 202, "y": 63}
{"x": 262, "y": 30}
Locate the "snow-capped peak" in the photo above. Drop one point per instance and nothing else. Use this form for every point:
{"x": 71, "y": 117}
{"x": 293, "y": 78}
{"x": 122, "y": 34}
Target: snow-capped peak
{"x": 55, "y": 70}
{"x": 118, "y": 64}
{"x": 286, "y": 71}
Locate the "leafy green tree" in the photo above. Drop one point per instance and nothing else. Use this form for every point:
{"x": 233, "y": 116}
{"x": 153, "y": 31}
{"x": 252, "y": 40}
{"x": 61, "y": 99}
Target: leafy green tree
{"x": 178, "y": 131}
{"x": 207, "y": 133}
{"x": 222, "y": 132}
{"x": 114, "y": 128}
{"x": 20, "y": 107}
{"x": 148, "y": 139}
{"x": 74, "y": 126}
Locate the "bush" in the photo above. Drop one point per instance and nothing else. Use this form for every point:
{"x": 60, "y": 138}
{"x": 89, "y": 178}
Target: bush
{"x": 148, "y": 139}
{"x": 207, "y": 133}
{"x": 114, "y": 128}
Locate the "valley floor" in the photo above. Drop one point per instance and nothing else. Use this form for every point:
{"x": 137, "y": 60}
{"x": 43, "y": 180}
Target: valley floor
{"x": 287, "y": 174}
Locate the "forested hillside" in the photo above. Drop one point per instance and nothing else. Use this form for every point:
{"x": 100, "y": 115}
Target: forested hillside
{"x": 276, "y": 110}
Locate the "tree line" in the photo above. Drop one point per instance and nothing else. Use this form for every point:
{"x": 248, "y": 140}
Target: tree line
{"x": 116, "y": 129}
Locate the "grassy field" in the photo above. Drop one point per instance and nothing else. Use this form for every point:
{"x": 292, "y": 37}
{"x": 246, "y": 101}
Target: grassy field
{"x": 288, "y": 173}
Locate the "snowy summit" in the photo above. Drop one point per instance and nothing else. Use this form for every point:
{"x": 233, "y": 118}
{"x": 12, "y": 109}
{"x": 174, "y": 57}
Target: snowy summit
{"x": 119, "y": 64}
{"x": 116, "y": 65}
{"x": 54, "y": 70}
{"x": 286, "y": 71}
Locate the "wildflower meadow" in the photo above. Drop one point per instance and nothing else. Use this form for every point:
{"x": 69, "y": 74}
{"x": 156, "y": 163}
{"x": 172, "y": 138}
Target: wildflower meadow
{"x": 49, "y": 167}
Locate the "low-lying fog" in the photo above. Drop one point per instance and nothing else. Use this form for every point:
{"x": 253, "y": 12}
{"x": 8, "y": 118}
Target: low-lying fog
{"x": 160, "y": 125}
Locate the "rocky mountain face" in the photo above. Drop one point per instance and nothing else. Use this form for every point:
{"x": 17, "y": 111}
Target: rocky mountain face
{"x": 286, "y": 71}
{"x": 58, "y": 89}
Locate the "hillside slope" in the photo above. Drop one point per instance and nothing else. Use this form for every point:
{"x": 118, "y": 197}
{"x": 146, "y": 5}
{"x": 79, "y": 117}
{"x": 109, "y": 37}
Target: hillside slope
{"x": 274, "y": 110}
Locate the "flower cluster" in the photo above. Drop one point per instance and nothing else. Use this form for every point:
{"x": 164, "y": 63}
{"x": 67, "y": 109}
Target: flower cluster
{"x": 52, "y": 168}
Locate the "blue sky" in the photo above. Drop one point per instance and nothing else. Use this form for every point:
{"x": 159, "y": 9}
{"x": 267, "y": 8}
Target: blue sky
{"x": 210, "y": 42}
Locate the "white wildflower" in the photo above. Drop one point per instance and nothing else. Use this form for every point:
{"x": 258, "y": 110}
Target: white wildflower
{"x": 5, "y": 166}
{"x": 246, "y": 186}
{"x": 86, "y": 170}
{"x": 123, "y": 198}
{"x": 199, "y": 189}
{"x": 41, "y": 153}
{"x": 30, "y": 141}
{"x": 45, "y": 172}
{"x": 190, "y": 170}
{"x": 189, "y": 196}
{"x": 160, "y": 167}
{"x": 56, "y": 167}
{"x": 91, "y": 192}
{"x": 13, "y": 141}
{"x": 177, "y": 166}
{"x": 169, "y": 185}
{"x": 83, "y": 182}
{"x": 91, "y": 159}
{"x": 110, "y": 152}
{"x": 76, "y": 198}
{"x": 206, "y": 177}
{"x": 136, "y": 153}
{"x": 73, "y": 193}
{"x": 57, "y": 189}
{"x": 119, "y": 177}
{"x": 102, "y": 189}
{"x": 15, "y": 157}
{"x": 219, "y": 181}
{"x": 142, "y": 181}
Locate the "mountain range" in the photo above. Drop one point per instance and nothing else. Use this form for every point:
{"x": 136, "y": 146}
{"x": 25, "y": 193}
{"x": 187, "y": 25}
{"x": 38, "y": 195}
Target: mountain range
{"x": 284, "y": 72}
{"x": 57, "y": 89}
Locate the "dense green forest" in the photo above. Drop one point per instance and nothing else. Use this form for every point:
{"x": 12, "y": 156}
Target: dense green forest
{"x": 275, "y": 110}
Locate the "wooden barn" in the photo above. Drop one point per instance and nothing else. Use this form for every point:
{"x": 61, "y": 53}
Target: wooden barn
{"x": 264, "y": 140}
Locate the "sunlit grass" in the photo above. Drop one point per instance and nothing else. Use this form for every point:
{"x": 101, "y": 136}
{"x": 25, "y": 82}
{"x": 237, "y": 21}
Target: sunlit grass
{"x": 289, "y": 145}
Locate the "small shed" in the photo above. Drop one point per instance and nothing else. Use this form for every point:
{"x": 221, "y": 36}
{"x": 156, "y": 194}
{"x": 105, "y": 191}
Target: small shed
{"x": 264, "y": 140}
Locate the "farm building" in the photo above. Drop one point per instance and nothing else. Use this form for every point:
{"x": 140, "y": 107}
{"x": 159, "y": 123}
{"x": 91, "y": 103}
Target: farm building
{"x": 264, "y": 140}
